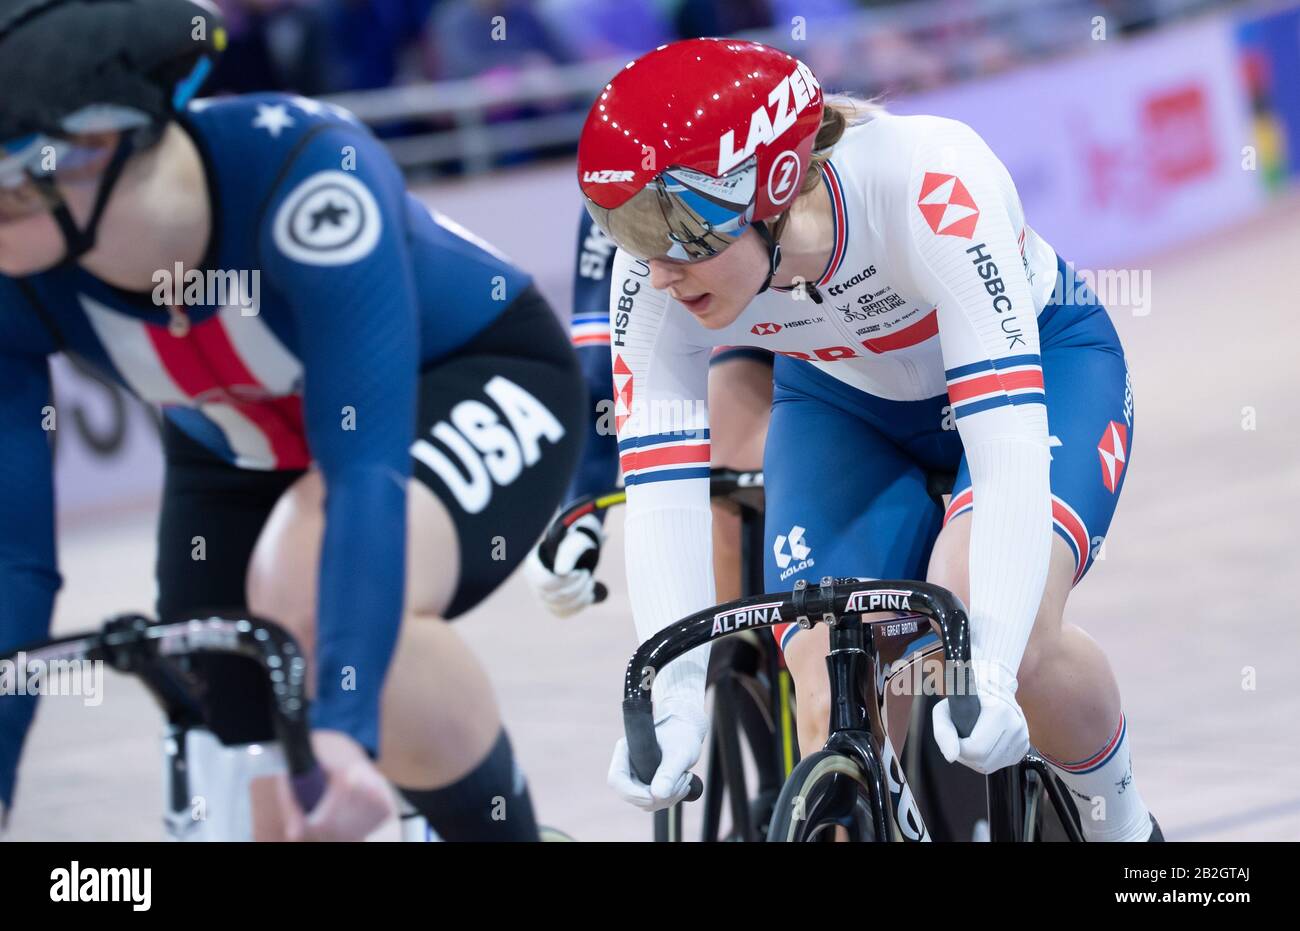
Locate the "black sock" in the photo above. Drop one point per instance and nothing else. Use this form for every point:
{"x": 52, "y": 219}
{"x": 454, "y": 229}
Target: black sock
{"x": 491, "y": 803}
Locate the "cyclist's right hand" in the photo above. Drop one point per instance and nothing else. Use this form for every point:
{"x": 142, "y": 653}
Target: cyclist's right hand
{"x": 680, "y": 733}
{"x": 564, "y": 580}
{"x": 357, "y": 798}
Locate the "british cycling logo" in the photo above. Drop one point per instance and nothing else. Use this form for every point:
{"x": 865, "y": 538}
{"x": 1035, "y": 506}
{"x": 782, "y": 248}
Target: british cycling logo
{"x": 800, "y": 553}
{"x": 24, "y": 675}
{"x": 80, "y": 883}
{"x": 947, "y": 206}
{"x": 331, "y": 218}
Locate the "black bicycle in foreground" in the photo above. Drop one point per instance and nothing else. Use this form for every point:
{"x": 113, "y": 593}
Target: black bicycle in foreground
{"x": 163, "y": 657}
{"x": 854, "y": 788}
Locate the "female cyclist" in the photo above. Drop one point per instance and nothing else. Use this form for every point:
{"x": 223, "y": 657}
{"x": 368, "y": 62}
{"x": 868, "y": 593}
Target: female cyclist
{"x": 920, "y": 324}
{"x": 362, "y": 439}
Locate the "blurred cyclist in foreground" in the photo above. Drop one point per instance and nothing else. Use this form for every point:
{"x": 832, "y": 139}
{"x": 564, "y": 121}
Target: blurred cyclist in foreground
{"x": 369, "y": 413}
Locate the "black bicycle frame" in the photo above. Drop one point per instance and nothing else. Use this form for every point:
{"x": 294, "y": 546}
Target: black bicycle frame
{"x": 857, "y": 727}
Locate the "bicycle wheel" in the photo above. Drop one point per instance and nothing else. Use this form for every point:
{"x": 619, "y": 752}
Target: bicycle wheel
{"x": 741, "y": 721}
{"x": 742, "y": 726}
{"x": 668, "y": 825}
{"x": 1043, "y": 819}
{"x": 953, "y": 798}
{"x": 826, "y": 791}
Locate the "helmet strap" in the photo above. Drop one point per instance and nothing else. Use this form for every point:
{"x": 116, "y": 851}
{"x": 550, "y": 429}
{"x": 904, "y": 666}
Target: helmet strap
{"x": 773, "y": 252}
{"x": 79, "y": 241}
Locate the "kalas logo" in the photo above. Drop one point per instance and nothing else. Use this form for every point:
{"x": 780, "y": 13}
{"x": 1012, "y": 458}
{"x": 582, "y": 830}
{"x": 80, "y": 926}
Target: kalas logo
{"x": 606, "y": 176}
{"x": 765, "y": 329}
{"x": 799, "y": 87}
{"x": 947, "y": 206}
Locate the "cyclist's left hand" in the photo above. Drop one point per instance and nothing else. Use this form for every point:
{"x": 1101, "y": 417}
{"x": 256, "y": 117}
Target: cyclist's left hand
{"x": 357, "y": 798}
{"x": 1000, "y": 737}
{"x": 566, "y": 583}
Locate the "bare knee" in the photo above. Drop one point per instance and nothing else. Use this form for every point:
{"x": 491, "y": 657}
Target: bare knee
{"x": 282, "y": 572}
{"x": 1033, "y": 675}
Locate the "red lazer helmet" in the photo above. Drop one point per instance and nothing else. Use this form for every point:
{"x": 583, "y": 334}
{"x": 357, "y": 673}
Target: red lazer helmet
{"x": 695, "y": 141}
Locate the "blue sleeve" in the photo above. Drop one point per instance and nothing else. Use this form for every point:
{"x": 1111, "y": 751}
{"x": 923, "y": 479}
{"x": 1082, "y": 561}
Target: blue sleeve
{"x": 29, "y": 575}
{"x": 598, "y": 468}
{"x": 333, "y": 244}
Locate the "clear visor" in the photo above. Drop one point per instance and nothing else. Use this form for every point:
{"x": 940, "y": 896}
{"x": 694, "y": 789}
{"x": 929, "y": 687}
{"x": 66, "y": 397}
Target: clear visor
{"x": 682, "y": 214}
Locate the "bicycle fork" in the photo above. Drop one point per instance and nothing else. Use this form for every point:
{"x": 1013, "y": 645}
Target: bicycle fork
{"x": 857, "y": 729}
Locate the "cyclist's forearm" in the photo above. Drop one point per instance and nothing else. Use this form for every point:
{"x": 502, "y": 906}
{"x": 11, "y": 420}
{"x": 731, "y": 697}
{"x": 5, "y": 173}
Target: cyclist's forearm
{"x": 670, "y": 575}
{"x": 26, "y": 603}
{"x": 1010, "y": 545}
{"x": 362, "y": 570}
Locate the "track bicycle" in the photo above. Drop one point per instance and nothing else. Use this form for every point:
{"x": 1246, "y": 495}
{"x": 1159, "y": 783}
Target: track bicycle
{"x": 855, "y": 787}
{"x": 161, "y": 656}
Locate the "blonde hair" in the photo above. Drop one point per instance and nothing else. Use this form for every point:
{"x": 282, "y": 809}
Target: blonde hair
{"x": 840, "y": 113}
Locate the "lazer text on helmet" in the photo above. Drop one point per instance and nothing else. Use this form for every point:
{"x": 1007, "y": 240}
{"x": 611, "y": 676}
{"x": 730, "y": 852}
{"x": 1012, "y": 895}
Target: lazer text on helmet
{"x": 765, "y": 127}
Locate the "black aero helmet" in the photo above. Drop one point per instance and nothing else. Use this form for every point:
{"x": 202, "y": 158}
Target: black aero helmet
{"x": 58, "y": 57}
{"x": 73, "y": 66}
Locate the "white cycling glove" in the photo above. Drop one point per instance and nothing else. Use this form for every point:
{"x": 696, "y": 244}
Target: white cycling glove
{"x": 564, "y": 581}
{"x": 680, "y": 731}
{"x": 1000, "y": 737}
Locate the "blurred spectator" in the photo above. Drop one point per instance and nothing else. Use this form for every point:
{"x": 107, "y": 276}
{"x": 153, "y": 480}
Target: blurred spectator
{"x": 466, "y": 38}
{"x": 595, "y": 29}
{"x": 275, "y": 45}
{"x": 370, "y": 37}
{"x": 819, "y": 16}
{"x": 1132, "y": 15}
{"x": 697, "y": 18}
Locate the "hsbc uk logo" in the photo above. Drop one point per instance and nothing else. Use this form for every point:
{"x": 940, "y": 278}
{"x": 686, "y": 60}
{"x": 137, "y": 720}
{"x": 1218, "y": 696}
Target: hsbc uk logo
{"x": 947, "y": 206}
{"x": 794, "y": 559}
{"x": 623, "y": 385}
{"x": 765, "y": 329}
{"x": 1113, "y": 449}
